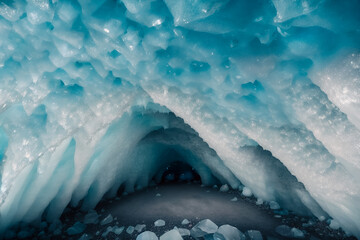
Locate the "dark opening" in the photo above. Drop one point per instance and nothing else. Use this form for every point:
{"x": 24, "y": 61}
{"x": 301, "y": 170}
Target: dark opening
{"x": 180, "y": 172}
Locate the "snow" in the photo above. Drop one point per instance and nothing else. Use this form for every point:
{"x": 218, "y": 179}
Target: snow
{"x": 263, "y": 94}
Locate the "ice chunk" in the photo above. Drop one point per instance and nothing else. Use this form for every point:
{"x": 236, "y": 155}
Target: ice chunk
{"x": 139, "y": 227}
{"x": 85, "y": 237}
{"x": 234, "y": 199}
{"x": 108, "y": 219}
{"x": 183, "y": 231}
{"x": 130, "y": 230}
{"x": 254, "y": 235}
{"x": 203, "y": 228}
{"x": 246, "y": 192}
{"x": 118, "y": 230}
{"x": 274, "y": 205}
{"x": 297, "y": 233}
{"x": 224, "y": 188}
{"x": 185, "y": 222}
{"x": 77, "y": 228}
{"x": 289, "y": 232}
{"x": 147, "y": 235}
{"x": 159, "y": 223}
{"x": 334, "y": 224}
{"x": 109, "y": 229}
{"x": 91, "y": 217}
{"x": 171, "y": 235}
{"x": 227, "y": 232}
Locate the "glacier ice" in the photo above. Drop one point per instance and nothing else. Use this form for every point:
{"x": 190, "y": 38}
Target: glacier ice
{"x": 98, "y": 95}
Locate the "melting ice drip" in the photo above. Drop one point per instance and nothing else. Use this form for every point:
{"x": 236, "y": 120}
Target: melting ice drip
{"x": 263, "y": 93}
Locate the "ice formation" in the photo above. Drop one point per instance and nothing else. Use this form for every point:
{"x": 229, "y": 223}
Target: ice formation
{"x": 97, "y": 95}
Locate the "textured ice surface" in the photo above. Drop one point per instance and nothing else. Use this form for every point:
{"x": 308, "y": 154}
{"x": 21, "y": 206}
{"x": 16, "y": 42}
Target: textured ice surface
{"x": 159, "y": 223}
{"x": 203, "y": 228}
{"x": 147, "y": 235}
{"x": 95, "y": 94}
{"x": 171, "y": 235}
{"x": 227, "y": 232}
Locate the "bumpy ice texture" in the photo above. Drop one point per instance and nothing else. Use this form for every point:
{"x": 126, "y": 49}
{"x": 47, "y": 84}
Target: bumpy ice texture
{"x": 95, "y": 95}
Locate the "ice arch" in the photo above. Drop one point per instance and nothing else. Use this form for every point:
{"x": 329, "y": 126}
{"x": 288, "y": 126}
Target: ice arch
{"x": 270, "y": 89}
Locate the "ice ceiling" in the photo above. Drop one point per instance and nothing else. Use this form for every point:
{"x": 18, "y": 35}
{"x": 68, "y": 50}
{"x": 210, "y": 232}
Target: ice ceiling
{"x": 260, "y": 93}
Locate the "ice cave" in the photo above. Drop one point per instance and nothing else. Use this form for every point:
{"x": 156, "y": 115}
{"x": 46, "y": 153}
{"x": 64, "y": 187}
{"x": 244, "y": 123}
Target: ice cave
{"x": 254, "y": 99}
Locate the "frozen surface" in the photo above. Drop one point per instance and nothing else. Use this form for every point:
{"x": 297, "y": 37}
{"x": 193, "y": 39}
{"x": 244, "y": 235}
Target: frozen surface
{"x": 203, "y": 228}
{"x": 147, "y": 235}
{"x": 227, "y": 232}
{"x": 171, "y": 235}
{"x": 95, "y": 94}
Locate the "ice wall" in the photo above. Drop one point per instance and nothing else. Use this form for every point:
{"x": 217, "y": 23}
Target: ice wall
{"x": 265, "y": 93}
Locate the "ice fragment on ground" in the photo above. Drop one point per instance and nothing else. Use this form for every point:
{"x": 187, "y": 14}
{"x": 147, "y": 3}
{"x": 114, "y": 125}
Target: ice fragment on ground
{"x": 234, "y": 199}
{"x": 224, "y": 188}
{"x": 259, "y": 201}
{"x": 147, "y": 235}
{"x": 203, "y": 228}
{"x": 85, "y": 237}
{"x": 334, "y": 224}
{"x": 185, "y": 221}
{"x": 118, "y": 230}
{"x": 159, "y": 223}
{"x": 274, "y": 205}
{"x": 246, "y": 192}
{"x": 254, "y": 235}
{"x": 77, "y": 228}
{"x": 289, "y": 232}
{"x": 158, "y": 195}
{"x": 183, "y": 231}
{"x": 139, "y": 227}
{"x": 228, "y": 232}
{"x": 91, "y": 217}
{"x": 297, "y": 233}
{"x": 171, "y": 235}
{"x": 108, "y": 219}
{"x": 24, "y": 234}
{"x": 108, "y": 230}
{"x": 130, "y": 229}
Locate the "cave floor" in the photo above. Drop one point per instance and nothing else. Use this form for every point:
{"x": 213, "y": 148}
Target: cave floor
{"x": 193, "y": 202}
{"x": 174, "y": 202}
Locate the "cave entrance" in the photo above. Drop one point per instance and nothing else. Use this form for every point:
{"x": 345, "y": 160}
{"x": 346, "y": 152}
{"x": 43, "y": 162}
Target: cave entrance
{"x": 180, "y": 172}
